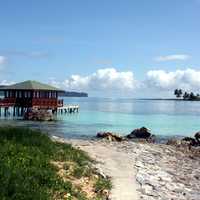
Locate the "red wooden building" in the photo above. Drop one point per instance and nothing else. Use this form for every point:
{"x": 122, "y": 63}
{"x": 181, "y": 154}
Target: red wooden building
{"x": 27, "y": 95}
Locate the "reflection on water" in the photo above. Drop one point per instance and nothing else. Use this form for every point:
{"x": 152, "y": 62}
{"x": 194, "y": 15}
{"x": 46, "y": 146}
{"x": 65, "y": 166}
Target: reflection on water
{"x": 122, "y": 116}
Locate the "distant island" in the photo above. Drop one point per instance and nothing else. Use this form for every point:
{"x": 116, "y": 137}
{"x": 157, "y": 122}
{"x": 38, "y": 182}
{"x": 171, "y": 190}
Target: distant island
{"x": 180, "y": 96}
{"x": 73, "y": 94}
{"x": 188, "y": 96}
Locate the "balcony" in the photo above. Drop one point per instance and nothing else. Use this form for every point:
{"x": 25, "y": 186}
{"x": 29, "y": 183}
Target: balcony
{"x": 6, "y": 102}
{"x": 47, "y": 103}
{"x": 32, "y": 102}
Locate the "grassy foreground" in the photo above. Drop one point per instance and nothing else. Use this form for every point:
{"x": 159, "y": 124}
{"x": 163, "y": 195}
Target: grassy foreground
{"x": 34, "y": 167}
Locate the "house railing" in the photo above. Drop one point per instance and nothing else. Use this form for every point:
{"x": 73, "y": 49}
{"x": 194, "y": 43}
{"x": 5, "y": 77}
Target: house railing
{"x": 7, "y": 102}
{"x": 47, "y": 102}
{"x": 32, "y": 102}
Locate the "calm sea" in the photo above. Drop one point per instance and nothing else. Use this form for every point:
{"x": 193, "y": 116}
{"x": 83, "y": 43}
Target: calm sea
{"x": 165, "y": 118}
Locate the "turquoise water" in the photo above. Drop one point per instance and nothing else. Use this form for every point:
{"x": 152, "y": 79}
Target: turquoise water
{"x": 166, "y": 118}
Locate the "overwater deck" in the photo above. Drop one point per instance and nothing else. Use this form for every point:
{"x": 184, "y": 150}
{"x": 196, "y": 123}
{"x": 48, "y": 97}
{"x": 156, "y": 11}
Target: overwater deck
{"x": 68, "y": 109}
{"x": 10, "y": 110}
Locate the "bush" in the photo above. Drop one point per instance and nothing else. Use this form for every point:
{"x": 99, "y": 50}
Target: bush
{"x": 25, "y": 168}
{"x": 102, "y": 184}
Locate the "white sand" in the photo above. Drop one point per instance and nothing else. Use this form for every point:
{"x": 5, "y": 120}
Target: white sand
{"x": 117, "y": 164}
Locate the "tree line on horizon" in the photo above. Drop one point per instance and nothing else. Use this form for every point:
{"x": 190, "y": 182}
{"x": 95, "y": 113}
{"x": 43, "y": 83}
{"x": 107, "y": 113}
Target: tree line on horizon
{"x": 179, "y": 93}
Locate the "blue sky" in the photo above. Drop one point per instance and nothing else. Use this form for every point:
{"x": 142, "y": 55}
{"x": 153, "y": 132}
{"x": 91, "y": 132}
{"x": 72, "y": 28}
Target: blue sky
{"x": 51, "y": 40}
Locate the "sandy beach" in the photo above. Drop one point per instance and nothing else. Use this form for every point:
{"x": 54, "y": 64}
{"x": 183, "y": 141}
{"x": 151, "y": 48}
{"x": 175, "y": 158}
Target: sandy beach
{"x": 145, "y": 171}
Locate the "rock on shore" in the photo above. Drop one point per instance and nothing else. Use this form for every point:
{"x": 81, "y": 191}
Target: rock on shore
{"x": 38, "y": 115}
{"x": 140, "y": 133}
{"x": 112, "y": 137}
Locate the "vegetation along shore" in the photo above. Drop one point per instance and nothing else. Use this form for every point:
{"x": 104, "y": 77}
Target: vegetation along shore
{"x": 32, "y": 166}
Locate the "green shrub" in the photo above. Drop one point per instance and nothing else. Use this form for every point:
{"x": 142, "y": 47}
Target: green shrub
{"x": 102, "y": 184}
{"x": 25, "y": 169}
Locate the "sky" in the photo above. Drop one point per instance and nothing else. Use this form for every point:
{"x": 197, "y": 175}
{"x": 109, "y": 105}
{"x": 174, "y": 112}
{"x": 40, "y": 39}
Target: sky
{"x": 129, "y": 48}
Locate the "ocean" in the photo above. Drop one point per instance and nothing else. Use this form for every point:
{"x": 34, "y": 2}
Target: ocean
{"x": 165, "y": 118}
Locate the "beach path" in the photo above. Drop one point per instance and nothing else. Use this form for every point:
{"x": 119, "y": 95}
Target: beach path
{"x": 116, "y": 164}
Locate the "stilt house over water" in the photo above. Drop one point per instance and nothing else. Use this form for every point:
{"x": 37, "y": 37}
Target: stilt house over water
{"x": 27, "y": 95}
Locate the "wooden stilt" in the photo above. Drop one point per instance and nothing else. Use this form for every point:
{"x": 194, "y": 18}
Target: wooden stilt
{"x": 22, "y": 111}
{"x": 14, "y": 111}
{"x": 5, "y": 111}
{"x": 17, "y": 111}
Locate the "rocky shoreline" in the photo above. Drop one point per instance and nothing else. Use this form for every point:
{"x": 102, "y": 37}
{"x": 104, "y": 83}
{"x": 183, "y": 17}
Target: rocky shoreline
{"x": 158, "y": 171}
{"x": 164, "y": 171}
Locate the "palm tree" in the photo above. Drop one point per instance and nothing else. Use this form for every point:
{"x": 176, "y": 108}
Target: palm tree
{"x": 186, "y": 95}
{"x": 192, "y": 96}
{"x": 178, "y": 93}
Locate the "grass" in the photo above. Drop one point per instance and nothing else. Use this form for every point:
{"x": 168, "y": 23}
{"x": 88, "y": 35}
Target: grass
{"x": 33, "y": 167}
{"x": 101, "y": 184}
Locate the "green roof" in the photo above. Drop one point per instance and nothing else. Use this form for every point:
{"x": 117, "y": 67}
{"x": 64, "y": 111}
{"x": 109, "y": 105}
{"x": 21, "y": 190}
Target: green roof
{"x": 30, "y": 85}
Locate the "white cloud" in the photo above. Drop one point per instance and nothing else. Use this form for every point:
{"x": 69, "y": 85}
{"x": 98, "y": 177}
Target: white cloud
{"x": 187, "y": 79}
{"x": 2, "y": 62}
{"x": 27, "y": 54}
{"x": 110, "y": 81}
{"x": 177, "y": 57}
{"x": 106, "y": 80}
{"x": 54, "y": 82}
{"x": 6, "y": 82}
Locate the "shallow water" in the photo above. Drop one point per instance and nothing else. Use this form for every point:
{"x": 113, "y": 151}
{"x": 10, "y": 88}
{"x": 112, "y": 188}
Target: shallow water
{"x": 165, "y": 118}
